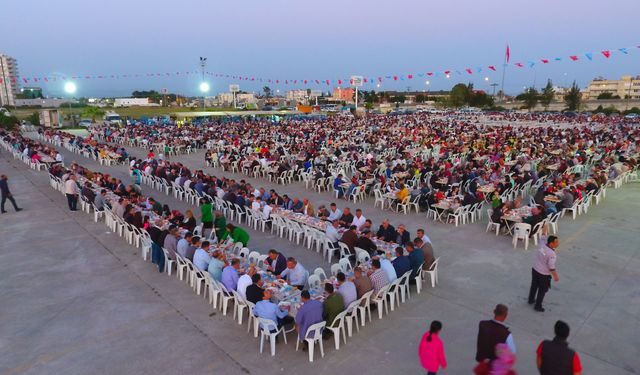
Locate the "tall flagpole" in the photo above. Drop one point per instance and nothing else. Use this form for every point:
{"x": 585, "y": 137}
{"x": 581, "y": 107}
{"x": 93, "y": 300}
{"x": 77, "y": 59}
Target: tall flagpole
{"x": 504, "y": 69}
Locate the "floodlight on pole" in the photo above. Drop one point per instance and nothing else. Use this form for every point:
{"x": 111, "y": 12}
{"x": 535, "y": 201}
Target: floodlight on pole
{"x": 70, "y": 88}
{"x": 204, "y": 87}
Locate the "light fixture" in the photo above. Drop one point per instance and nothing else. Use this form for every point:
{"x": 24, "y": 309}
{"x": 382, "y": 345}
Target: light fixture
{"x": 427, "y": 83}
{"x": 204, "y": 87}
{"x": 486, "y": 78}
{"x": 70, "y": 87}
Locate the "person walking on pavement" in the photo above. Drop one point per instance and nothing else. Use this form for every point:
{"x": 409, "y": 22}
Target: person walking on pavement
{"x": 493, "y": 332}
{"x": 71, "y": 191}
{"x": 6, "y": 194}
{"x": 431, "y": 350}
{"x": 555, "y": 357}
{"x": 544, "y": 267}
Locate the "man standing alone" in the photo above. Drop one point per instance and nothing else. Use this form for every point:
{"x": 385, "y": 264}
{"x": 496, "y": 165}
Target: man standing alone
{"x": 555, "y": 356}
{"x": 71, "y": 191}
{"x": 6, "y": 194}
{"x": 544, "y": 266}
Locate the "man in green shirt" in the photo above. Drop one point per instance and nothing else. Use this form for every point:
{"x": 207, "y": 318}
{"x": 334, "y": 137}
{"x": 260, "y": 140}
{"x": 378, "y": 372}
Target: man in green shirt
{"x": 219, "y": 224}
{"x": 206, "y": 215}
{"x": 155, "y": 206}
{"x": 237, "y": 234}
{"x": 333, "y": 304}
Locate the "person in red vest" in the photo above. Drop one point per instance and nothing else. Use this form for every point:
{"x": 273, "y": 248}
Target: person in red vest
{"x": 554, "y": 357}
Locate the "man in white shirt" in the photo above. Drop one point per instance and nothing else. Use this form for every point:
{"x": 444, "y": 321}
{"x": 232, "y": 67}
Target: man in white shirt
{"x": 359, "y": 219}
{"x": 332, "y": 232}
{"x": 387, "y": 267}
{"x": 334, "y": 213}
{"x": 256, "y": 204}
{"x": 266, "y": 211}
{"x": 544, "y": 268}
{"x": 295, "y": 274}
{"x": 422, "y": 235}
{"x": 244, "y": 281}
{"x": 71, "y": 191}
{"x": 201, "y": 257}
{"x": 183, "y": 245}
{"x": 347, "y": 289}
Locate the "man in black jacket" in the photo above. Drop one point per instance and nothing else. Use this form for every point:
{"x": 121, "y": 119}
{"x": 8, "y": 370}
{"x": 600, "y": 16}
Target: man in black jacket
{"x": 493, "y": 332}
{"x": 6, "y": 194}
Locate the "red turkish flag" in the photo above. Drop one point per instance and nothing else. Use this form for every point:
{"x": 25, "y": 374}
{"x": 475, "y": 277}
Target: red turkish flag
{"x": 606, "y": 53}
{"x": 492, "y": 67}
{"x": 544, "y": 61}
{"x": 574, "y": 58}
{"x": 469, "y": 71}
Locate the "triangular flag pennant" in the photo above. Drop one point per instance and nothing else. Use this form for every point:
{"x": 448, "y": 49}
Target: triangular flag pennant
{"x": 623, "y": 50}
{"x": 519, "y": 65}
{"x": 459, "y": 73}
{"x": 479, "y": 69}
{"x": 606, "y": 53}
{"x": 339, "y": 81}
{"x": 446, "y": 72}
{"x": 410, "y": 76}
{"x": 558, "y": 59}
{"x": 492, "y": 67}
{"x": 430, "y": 74}
{"x": 387, "y": 77}
{"x": 589, "y": 56}
{"x": 420, "y": 74}
{"x": 365, "y": 80}
{"x": 379, "y": 79}
{"x": 328, "y": 82}
{"x": 544, "y": 61}
{"x": 469, "y": 71}
{"x": 574, "y": 58}
{"x": 402, "y": 78}
{"x": 395, "y": 78}
{"x": 531, "y": 64}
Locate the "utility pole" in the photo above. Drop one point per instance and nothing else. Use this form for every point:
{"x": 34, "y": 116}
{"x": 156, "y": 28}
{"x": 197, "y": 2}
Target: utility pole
{"x": 203, "y": 64}
{"x": 494, "y": 85}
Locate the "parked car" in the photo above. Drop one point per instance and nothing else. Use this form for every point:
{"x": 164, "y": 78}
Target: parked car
{"x": 86, "y": 122}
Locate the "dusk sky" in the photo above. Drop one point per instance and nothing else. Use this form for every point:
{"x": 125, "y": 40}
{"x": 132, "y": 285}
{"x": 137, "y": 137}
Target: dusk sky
{"x": 329, "y": 39}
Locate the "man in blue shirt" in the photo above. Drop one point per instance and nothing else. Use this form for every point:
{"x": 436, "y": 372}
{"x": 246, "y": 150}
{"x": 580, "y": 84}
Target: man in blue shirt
{"x": 416, "y": 258}
{"x": 268, "y": 310}
{"x": 336, "y": 185}
{"x": 401, "y": 264}
{"x": 308, "y": 314}
{"x": 230, "y": 275}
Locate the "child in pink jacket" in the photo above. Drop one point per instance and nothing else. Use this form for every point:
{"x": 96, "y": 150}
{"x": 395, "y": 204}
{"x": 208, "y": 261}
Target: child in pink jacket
{"x": 431, "y": 350}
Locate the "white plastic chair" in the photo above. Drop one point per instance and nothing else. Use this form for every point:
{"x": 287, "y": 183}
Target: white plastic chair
{"x": 266, "y": 326}
{"x": 433, "y": 272}
{"x": 335, "y": 268}
{"x": 492, "y": 225}
{"x": 321, "y": 274}
{"x": 313, "y": 335}
{"x": 337, "y": 327}
{"x": 314, "y": 282}
{"x": 521, "y": 231}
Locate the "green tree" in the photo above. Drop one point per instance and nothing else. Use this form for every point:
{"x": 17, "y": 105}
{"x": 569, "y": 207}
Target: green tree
{"x": 267, "y": 91}
{"x": 547, "y": 94}
{"x": 573, "y": 97}
{"x": 607, "y": 95}
{"x": 92, "y": 112}
{"x": 481, "y": 99}
{"x": 459, "y": 95}
{"x": 7, "y": 122}
{"x": 34, "y": 118}
{"x": 529, "y": 97}
{"x": 420, "y": 98}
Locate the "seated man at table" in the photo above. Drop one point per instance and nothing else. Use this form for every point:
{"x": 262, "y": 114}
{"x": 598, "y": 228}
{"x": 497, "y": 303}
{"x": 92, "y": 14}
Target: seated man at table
{"x": 171, "y": 241}
{"x": 402, "y": 193}
{"x": 201, "y": 257}
{"x": 332, "y": 306}
{"x": 101, "y": 201}
{"x": 337, "y": 185}
{"x": 244, "y": 281}
{"x": 362, "y": 282}
{"x": 386, "y": 232}
{"x": 427, "y": 252}
{"x": 230, "y": 275}
{"x": 276, "y": 262}
{"x": 295, "y": 274}
{"x": 538, "y": 215}
{"x": 332, "y": 233}
{"x": 297, "y": 205}
{"x": 254, "y": 291}
{"x": 268, "y": 310}
{"x": 366, "y": 244}
{"x": 358, "y": 220}
{"x": 183, "y": 244}
{"x": 308, "y": 314}
{"x": 346, "y": 218}
{"x": 347, "y": 289}
{"x": 334, "y": 213}
{"x": 87, "y": 192}
{"x": 567, "y": 200}
{"x": 387, "y": 267}
{"x": 350, "y": 238}
{"x": 216, "y": 265}
{"x": 402, "y": 235}
{"x": 416, "y": 258}
{"x": 401, "y": 264}
{"x": 378, "y": 277}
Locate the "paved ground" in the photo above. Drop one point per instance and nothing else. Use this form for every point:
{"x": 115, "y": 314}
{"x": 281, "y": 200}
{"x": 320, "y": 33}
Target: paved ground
{"x": 76, "y": 298}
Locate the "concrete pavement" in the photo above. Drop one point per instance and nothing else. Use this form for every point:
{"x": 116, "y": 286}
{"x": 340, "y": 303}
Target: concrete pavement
{"x": 76, "y": 298}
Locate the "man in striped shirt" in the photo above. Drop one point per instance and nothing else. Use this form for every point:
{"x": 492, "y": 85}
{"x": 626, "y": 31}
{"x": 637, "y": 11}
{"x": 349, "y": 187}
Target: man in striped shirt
{"x": 378, "y": 277}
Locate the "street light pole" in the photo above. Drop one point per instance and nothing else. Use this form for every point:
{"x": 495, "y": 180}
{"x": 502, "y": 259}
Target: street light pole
{"x": 70, "y": 89}
{"x": 203, "y": 64}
